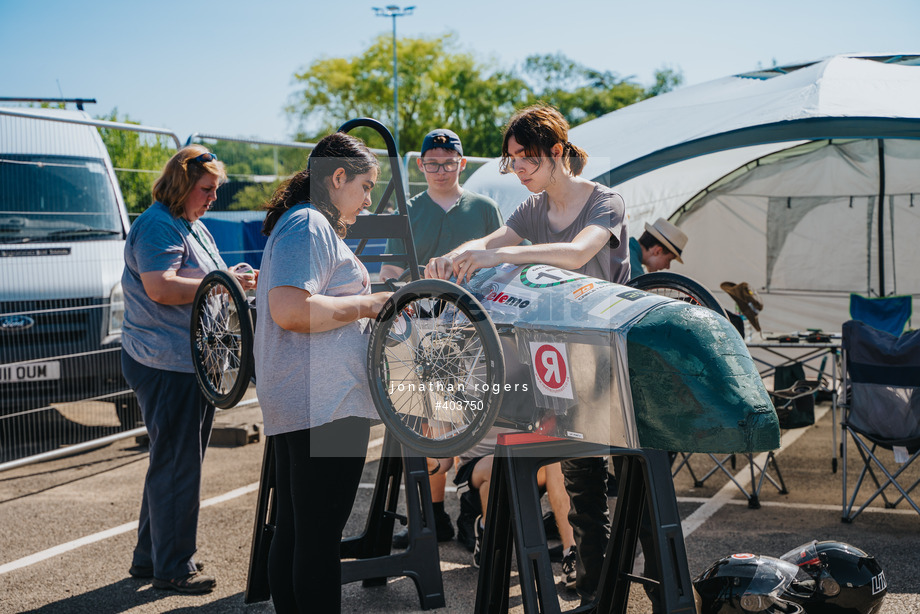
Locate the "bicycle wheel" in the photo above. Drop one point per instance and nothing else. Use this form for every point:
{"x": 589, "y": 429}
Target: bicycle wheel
{"x": 435, "y": 368}
{"x": 676, "y": 286}
{"x": 222, "y": 339}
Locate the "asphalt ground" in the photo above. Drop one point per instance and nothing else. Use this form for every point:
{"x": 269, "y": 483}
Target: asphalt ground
{"x": 66, "y": 531}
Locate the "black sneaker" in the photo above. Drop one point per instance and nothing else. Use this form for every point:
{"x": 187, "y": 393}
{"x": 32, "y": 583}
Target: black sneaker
{"x": 194, "y": 583}
{"x": 443, "y": 527}
{"x": 401, "y": 539}
{"x": 477, "y": 549}
{"x": 568, "y": 569}
{"x": 146, "y": 571}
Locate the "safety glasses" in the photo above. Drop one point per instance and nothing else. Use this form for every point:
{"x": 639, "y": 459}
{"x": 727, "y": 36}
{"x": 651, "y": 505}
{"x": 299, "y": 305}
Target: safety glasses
{"x": 205, "y": 157}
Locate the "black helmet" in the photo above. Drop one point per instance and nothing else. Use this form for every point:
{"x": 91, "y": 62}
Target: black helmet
{"x": 845, "y": 580}
{"x": 747, "y": 584}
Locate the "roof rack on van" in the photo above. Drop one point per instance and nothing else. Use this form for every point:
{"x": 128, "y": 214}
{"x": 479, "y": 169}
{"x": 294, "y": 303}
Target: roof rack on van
{"x": 78, "y": 101}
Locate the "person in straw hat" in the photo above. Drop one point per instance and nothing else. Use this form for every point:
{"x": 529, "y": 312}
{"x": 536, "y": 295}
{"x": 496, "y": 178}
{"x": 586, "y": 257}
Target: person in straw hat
{"x": 661, "y": 243}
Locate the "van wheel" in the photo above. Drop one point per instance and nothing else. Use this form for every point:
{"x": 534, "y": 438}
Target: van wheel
{"x": 221, "y": 332}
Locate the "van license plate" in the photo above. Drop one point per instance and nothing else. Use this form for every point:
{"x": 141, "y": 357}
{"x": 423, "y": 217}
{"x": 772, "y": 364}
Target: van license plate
{"x": 30, "y": 372}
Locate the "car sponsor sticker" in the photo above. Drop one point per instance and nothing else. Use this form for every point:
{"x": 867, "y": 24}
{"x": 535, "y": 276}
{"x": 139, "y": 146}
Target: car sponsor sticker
{"x": 551, "y": 369}
{"x": 584, "y": 291}
{"x": 614, "y": 304}
{"x": 545, "y": 276}
{"x": 507, "y": 298}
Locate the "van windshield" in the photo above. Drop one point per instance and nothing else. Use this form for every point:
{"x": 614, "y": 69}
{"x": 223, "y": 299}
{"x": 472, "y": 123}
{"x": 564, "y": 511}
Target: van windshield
{"x": 56, "y": 198}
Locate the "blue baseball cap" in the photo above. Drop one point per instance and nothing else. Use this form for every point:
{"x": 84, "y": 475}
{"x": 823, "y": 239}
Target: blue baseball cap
{"x": 442, "y": 138}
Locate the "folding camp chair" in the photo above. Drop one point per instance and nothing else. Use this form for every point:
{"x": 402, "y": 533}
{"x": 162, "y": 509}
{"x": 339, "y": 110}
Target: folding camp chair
{"x": 888, "y": 313}
{"x": 795, "y": 408}
{"x": 882, "y": 411}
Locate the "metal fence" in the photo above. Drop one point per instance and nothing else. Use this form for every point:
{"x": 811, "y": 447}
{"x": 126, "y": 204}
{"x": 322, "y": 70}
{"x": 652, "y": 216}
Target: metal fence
{"x": 62, "y": 227}
{"x": 69, "y": 188}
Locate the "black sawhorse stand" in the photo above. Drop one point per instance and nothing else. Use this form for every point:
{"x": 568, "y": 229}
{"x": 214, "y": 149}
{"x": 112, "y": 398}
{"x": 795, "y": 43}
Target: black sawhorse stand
{"x": 515, "y": 519}
{"x": 369, "y": 554}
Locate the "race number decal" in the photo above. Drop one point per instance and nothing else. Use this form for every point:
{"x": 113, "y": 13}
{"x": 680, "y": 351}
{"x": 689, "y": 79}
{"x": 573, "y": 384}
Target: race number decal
{"x": 545, "y": 276}
{"x": 551, "y": 369}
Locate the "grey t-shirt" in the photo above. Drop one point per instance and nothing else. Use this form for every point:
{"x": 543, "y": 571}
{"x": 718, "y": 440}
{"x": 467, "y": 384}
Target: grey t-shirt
{"x": 305, "y": 380}
{"x": 604, "y": 208}
{"x": 153, "y": 334}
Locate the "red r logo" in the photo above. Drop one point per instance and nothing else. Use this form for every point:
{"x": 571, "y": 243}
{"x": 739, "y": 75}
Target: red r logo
{"x": 551, "y": 367}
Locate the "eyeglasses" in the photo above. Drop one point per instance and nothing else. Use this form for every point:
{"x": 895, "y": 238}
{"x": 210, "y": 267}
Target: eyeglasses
{"x": 449, "y": 167}
{"x": 524, "y": 163}
{"x": 205, "y": 157}
{"x": 512, "y": 165}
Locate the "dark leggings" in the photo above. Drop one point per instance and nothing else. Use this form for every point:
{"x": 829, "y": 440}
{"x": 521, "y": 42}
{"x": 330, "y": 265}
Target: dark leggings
{"x": 314, "y": 494}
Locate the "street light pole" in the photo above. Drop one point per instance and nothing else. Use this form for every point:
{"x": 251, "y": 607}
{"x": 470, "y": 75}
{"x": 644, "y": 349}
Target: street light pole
{"x": 393, "y": 12}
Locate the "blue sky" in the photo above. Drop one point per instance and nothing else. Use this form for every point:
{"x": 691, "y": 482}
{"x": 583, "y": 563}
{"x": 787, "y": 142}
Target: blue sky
{"x": 226, "y": 67}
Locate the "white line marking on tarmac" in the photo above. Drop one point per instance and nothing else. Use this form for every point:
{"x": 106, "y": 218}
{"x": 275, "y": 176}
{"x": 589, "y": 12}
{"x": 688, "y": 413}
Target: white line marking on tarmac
{"x": 96, "y": 537}
{"x": 129, "y": 526}
{"x": 709, "y": 507}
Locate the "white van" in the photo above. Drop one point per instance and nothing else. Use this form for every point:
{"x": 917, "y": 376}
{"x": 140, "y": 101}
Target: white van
{"x": 63, "y": 225}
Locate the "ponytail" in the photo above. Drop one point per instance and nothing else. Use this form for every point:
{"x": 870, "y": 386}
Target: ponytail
{"x": 575, "y": 158}
{"x": 338, "y": 150}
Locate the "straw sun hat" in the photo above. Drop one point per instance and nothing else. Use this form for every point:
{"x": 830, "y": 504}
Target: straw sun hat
{"x": 747, "y": 300}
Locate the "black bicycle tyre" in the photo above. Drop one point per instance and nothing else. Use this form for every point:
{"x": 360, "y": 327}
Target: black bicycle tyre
{"x": 379, "y": 370}
{"x": 222, "y": 344}
{"x": 677, "y": 286}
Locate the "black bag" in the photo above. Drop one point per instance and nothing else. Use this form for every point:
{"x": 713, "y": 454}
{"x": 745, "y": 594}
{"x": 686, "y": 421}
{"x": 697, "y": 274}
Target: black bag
{"x": 794, "y": 396}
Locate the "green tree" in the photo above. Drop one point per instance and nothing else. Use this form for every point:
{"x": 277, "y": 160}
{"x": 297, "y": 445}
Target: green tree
{"x": 138, "y": 160}
{"x": 579, "y": 92}
{"x": 666, "y": 79}
{"x": 439, "y": 85}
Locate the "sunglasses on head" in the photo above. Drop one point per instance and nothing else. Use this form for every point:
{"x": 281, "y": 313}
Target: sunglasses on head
{"x": 205, "y": 157}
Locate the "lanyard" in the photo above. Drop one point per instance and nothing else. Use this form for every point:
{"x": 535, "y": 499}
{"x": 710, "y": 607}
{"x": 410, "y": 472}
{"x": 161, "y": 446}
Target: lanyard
{"x": 201, "y": 243}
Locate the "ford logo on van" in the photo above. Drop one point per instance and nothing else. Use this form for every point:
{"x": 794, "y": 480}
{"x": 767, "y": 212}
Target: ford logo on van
{"x": 10, "y": 324}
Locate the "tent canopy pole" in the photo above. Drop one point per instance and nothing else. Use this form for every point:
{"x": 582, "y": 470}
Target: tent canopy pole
{"x": 881, "y": 217}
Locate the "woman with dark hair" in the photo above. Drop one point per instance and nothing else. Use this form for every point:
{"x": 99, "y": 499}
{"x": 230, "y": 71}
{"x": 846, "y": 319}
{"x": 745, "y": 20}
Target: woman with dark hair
{"x": 573, "y": 224}
{"x": 167, "y": 253}
{"x": 314, "y": 300}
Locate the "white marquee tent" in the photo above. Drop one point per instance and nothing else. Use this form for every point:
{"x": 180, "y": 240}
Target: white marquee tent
{"x": 777, "y": 177}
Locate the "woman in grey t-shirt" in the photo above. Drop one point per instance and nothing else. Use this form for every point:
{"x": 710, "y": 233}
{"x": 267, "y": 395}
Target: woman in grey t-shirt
{"x": 314, "y": 298}
{"x": 573, "y": 224}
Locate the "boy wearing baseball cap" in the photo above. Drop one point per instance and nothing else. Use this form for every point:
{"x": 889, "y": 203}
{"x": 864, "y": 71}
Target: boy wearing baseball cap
{"x": 442, "y": 217}
{"x": 445, "y": 215}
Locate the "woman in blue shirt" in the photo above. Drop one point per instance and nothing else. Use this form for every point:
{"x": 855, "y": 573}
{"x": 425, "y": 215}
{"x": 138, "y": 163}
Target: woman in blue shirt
{"x": 167, "y": 253}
